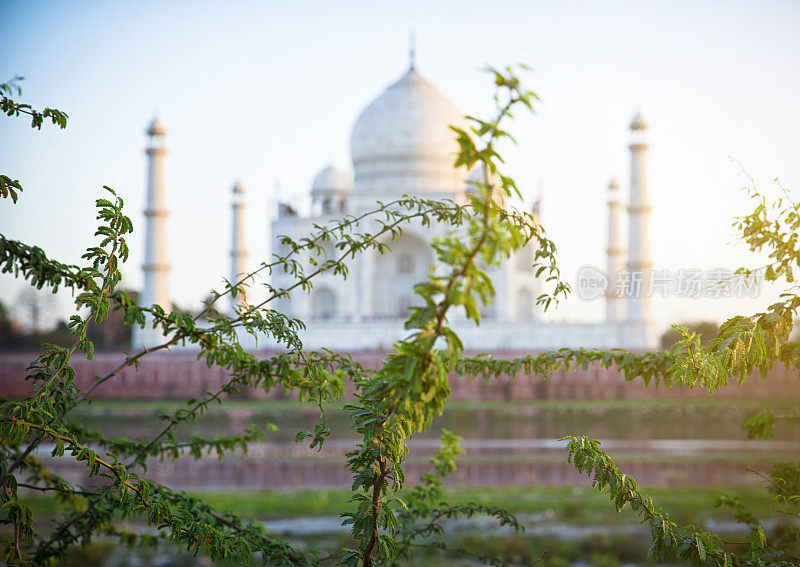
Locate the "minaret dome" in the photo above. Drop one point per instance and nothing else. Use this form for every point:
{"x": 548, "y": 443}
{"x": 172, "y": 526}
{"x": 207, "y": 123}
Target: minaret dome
{"x": 638, "y": 122}
{"x": 156, "y": 129}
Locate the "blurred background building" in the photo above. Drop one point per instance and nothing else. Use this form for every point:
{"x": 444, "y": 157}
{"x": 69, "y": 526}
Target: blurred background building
{"x": 402, "y": 144}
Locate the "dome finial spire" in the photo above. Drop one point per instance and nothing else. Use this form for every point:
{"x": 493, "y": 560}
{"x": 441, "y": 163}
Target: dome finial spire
{"x": 412, "y": 49}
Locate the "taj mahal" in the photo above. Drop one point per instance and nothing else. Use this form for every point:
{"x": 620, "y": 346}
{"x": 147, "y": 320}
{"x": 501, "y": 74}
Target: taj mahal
{"x": 401, "y": 144}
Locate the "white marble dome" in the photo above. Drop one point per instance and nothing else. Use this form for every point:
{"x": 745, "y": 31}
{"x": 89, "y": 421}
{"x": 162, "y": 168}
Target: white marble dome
{"x": 330, "y": 180}
{"x": 402, "y": 143}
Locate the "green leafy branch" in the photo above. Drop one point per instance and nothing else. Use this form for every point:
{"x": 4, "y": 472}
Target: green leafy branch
{"x": 426, "y": 509}
{"x": 669, "y": 540}
{"x": 772, "y": 225}
{"x": 32, "y": 264}
{"x": 281, "y": 369}
{"x": 762, "y": 424}
{"x": 412, "y": 386}
{"x": 10, "y": 188}
{"x": 743, "y": 345}
{"x": 11, "y": 108}
{"x": 214, "y": 351}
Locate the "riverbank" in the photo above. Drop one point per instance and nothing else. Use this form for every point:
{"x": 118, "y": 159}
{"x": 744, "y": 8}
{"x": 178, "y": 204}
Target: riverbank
{"x": 566, "y": 526}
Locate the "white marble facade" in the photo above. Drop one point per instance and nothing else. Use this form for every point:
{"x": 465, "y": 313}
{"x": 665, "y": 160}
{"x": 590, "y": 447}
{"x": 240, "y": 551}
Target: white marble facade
{"x": 401, "y": 144}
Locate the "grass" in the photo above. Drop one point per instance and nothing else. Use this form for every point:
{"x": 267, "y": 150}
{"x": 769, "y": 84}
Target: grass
{"x": 567, "y": 504}
{"x": 537, "y": 506}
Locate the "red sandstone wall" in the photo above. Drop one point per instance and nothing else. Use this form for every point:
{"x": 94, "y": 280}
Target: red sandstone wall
{"x": 179, "y": 375}
{"x": 236, "y": 473}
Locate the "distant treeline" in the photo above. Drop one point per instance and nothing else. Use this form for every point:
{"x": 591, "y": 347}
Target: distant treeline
{"x": 110, "y": 334}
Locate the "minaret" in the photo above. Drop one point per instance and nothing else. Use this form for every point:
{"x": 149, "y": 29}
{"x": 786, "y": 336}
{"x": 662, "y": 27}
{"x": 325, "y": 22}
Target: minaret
{"x": 238, "y": 245}
{"x": 639, "y": 306}
{"x": 536, "y": 209}
{"x": 615, "y": 261}
{"x": 156, "y": 262}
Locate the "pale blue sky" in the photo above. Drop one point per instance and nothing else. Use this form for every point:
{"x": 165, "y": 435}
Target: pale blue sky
{"x": 269, "y": 91}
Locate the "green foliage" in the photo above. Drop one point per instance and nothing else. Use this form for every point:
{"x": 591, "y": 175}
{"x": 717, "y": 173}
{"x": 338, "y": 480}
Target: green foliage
{"x": 706, "y": 329}
{"x": 411, "y": 388}
{"x": 10, "y": 188}
{"x": 400, "y": 398}
{"x": 392, "y": 403}
{"x": 670, "y": 541}
{"x": 7, "y": 332}
{"x": 425, "y": 507}
{"x": 762, "y": 424}
{"x": 38, "y": 117}
{"x": 741, "y": 346}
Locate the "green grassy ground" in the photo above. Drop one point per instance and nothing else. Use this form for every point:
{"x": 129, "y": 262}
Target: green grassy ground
{"x": 541, "y": 506}
{"x": 572, "y": 505}
{"x": 549, "y": 419}
{"x": 579, "y": 505}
